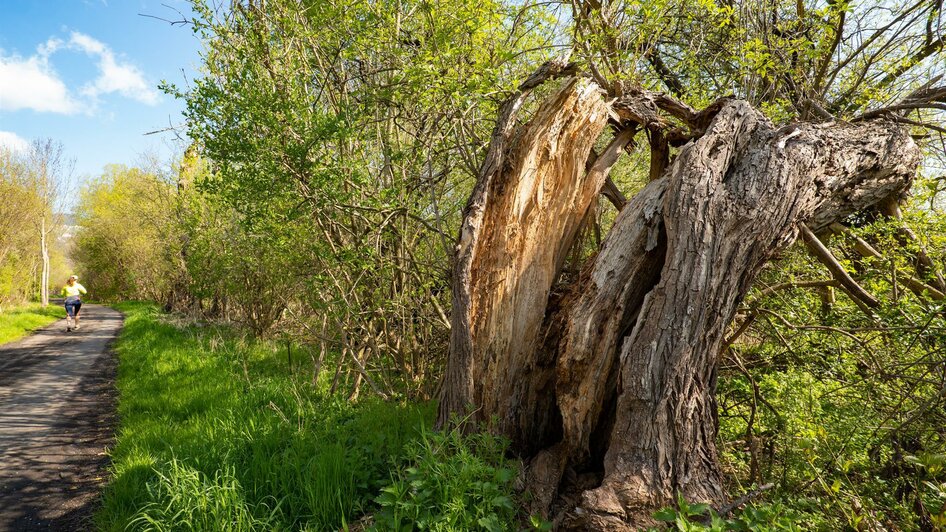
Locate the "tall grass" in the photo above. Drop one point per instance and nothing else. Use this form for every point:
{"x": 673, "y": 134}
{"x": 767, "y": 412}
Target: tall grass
{"x": 17, "y": 322}
{"x": 218, "y": 434}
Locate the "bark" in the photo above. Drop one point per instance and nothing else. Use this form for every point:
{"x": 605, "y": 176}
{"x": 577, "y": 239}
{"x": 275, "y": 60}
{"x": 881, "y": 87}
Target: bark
{"x": 44, "y": 253}
{"x": 618, "y": 375}
{"x": 734, "y": 197}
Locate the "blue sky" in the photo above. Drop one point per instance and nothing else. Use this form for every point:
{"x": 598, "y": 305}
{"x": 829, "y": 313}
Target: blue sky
{"x": 85, "y": 73}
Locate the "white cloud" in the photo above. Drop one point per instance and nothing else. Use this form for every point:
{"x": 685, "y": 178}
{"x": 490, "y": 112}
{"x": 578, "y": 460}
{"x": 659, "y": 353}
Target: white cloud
{"x": 114, "y": 76}
{"x": 88, "y": 44}
{"x": 49, "y": 47}
{"x": 32, "y": 84}
{"x": 12, "y": 141}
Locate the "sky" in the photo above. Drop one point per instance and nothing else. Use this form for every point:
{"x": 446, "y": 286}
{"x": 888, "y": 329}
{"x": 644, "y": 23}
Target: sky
{"x": 86, "y": 73}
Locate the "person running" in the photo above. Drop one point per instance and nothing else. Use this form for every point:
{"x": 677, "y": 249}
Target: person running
{"x": 73, "y": 303}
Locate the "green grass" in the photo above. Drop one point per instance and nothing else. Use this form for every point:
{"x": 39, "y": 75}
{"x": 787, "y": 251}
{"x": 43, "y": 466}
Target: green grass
{"x": 17, "y": 322}
{"x": 216, "y": 433}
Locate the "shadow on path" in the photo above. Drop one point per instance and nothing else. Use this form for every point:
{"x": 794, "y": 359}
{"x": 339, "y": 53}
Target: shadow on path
{"x": 57, "y": 413}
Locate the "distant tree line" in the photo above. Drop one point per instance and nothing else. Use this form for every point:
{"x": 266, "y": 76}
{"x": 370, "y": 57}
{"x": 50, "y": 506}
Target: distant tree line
{"x": 32, "y": 190}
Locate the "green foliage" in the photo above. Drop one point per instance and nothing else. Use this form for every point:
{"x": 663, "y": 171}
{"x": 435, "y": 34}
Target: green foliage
{"x": 29, "y": 194}
{"x": 787, "y": 57}
{"x": 334, "y": 146}
{"x": 127, "y": 237}
{"x": 215, "y": 429}
{"x": 18, "y": 321}
{"x": 453, "y": 482}
{"x": 829, "y": 401}
{"x": 687, "y": 517}
{"x": 248, "y": 269}
{"x": 185, "y": 499}
{"x": 338, "y": 142}
{"x": 18, "y": 211}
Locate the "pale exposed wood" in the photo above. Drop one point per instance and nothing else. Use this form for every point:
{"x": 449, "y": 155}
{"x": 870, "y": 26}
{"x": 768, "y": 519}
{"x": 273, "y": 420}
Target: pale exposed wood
{"x": 513, "y": 246}
{"x": 458, "y": 383}
{"x": 532, "y": 216}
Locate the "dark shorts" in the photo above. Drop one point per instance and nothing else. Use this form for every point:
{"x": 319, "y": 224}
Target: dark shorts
{"x": 72, "y": 307}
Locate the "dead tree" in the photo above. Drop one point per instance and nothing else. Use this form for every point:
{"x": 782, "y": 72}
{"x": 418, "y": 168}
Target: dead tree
{"x": 617, "y": 377}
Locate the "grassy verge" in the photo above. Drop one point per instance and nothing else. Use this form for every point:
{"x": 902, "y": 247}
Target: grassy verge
{"x": 218, "y": 434}
{"x": 18, "y": 322}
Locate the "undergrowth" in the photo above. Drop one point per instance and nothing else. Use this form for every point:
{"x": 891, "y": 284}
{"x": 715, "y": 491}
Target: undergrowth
{"x": 218, "y": 433}
{"x": 17, "y": 322}
{"x": 453, "y": 482}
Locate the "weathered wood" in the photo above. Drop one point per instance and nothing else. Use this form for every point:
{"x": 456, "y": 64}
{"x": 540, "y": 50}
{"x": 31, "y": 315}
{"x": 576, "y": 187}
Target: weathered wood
{"x": 619, "y": 373}
{"x": 734, "y": 197}
{"x": 530, "y": 214}
{"x": 457, "y": 391}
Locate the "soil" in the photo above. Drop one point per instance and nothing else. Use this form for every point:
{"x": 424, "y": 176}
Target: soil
{"x": 57, "y": 414}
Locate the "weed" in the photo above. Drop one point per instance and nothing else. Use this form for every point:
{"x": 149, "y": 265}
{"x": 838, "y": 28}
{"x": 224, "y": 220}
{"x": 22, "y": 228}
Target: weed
{"x": 454, "y": 482}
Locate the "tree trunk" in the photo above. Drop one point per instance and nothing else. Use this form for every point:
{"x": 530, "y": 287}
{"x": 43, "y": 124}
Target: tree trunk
{"x": 618, "y": 375}
{"x": 44, "y": 251}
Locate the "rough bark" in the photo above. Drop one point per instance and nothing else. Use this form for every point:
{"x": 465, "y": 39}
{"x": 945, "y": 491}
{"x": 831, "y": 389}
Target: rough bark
{"x": 619, "y": 375}
{"x": 734, "y": 197}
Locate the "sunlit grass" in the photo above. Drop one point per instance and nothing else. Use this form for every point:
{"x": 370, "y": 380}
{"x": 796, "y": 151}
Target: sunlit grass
{"x": 17, "y": 322}
{"x": 218, "y": 434}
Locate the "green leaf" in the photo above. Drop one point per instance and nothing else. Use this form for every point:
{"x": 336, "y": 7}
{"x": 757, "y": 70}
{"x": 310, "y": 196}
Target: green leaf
{"x": 666, "y": 514}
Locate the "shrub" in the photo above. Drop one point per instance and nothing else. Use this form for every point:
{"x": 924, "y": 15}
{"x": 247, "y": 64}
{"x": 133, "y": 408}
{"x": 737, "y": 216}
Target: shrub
{"x": 453, "y": 482}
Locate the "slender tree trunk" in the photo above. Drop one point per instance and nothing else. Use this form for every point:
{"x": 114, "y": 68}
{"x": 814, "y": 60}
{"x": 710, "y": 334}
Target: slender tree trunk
{"x": 44, "y": 250}
{"x": 618, "y": 375}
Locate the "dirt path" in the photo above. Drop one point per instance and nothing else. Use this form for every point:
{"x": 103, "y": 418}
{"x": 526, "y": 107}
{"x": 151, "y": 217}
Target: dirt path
{"x": 56, "y": 417}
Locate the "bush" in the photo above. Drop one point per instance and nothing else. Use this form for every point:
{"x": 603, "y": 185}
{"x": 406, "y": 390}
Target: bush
{"x": 454, "y": 482}
{"x": 688, "y": 517}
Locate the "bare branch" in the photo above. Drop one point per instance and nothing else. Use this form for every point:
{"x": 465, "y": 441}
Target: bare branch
{"x": 824, "y": 256}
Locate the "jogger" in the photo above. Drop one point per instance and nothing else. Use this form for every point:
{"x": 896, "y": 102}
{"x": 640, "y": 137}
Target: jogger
{"x": 73, "y": 302}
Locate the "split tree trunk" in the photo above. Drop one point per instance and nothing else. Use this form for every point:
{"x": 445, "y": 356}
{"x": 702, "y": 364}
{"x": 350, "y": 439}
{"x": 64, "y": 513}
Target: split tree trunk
{"x": 619, "y": 375}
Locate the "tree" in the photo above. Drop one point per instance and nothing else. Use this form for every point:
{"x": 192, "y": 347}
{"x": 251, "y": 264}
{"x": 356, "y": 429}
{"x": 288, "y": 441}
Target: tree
{"x": 16, "y": 226}
{"x": 48, "y": 170}
{"x": 30, "y": 184}
{"x": 614, "y": 372}
{"x": 346, "y": 134}
{"x": 128, "y": 234}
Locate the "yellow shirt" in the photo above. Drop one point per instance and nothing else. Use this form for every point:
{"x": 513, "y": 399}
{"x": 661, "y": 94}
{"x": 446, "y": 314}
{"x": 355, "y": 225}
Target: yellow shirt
{"x": 73, "y": 291}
